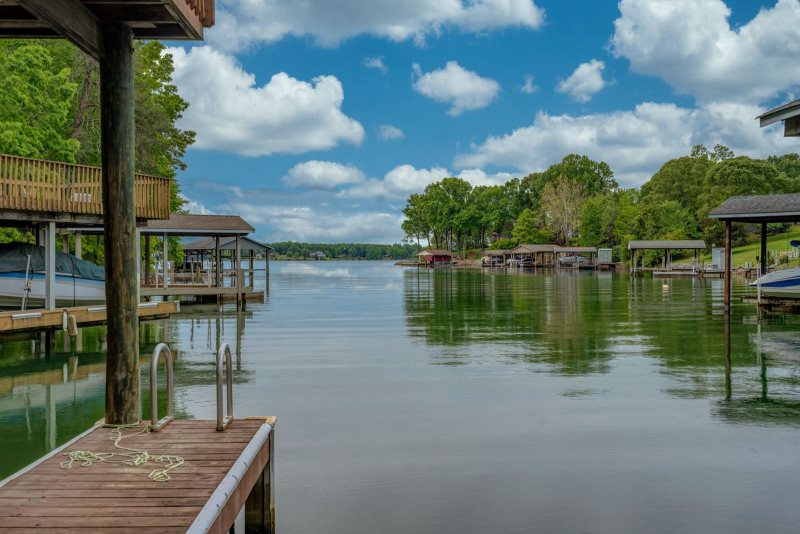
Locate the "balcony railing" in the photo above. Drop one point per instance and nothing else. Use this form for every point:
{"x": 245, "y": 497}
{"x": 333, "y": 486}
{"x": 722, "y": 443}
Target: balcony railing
{"x": 48, "y": 186}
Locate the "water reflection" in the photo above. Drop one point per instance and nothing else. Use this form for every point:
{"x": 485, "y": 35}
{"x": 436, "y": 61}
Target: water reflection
{"x": 53, "y": 389}
{"x": 579, "y": 323}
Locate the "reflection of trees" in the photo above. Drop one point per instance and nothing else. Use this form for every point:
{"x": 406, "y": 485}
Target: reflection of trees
{"x": 576, "y": 323}
{"x": 541, "y": 317}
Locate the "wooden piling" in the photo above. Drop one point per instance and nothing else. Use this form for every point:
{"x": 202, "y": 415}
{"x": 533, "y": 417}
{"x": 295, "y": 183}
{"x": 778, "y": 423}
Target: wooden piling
{"x": 728, "y": 267}
{"x": 117, "y": 136}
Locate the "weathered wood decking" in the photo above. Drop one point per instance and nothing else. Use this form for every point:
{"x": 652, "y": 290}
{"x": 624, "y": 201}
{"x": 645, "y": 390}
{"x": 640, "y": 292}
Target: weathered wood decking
{"x": 27, "y": 320}
{"x": 205, "y": 493}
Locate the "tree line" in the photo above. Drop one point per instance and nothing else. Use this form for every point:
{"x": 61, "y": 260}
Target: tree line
{"x": 578, "y": 201}
{"x": 343, "y": 251}
{"x": 50, "y": 109}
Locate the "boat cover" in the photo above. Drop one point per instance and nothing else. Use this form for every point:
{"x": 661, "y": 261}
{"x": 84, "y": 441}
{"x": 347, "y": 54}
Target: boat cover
{"x": 14, "y": 258}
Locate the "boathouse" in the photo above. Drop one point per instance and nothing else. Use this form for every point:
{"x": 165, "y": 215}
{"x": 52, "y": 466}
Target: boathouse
{"x": 433, "y": 257}
{"x": 666, "y": 246}
{"x": 532, "y": 256}
{"x": 758, "y": 210}
{"x": 576, "y": 257}
{"x": 493, "y": 258}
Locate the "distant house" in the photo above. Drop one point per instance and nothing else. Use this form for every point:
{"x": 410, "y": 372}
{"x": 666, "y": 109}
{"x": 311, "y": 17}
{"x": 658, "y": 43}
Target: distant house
{"x": 318, "y": 255}
{"x": 434, "y": 257}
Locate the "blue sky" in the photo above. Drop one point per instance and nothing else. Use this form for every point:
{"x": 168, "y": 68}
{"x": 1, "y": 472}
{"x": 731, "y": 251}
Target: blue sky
{"x": 317, "y": 118}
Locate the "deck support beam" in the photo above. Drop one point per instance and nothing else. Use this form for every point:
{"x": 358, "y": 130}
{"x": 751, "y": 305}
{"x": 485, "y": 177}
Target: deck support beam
{"x": 148, "y": 255}
{"x": 119, "y": 218}
{"x": 728, "y": 266}
{"x": 764, "y": 248}
{"x": 165, "y": 260}
{"x": 78, "y": 245}
{"x": 50, "y": 266}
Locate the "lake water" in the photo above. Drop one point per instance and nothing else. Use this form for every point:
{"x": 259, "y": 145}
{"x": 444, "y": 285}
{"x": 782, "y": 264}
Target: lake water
{"x": 468, "y": 401}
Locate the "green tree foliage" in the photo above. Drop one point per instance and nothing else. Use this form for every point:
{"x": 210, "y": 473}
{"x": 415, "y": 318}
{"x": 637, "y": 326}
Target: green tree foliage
{"x": 35, "y": 100}
{"x": 561, "y": 204}
{"x": 578, "y": 201}
{"x": 526, "y": 229}
{"x": 344, "y": 251}
{"x": 50, "y": 108}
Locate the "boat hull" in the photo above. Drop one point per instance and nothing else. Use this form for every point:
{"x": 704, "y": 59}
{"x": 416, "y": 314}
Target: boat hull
{"x": 784, "y": 283}
{"x": 70, "y": 290}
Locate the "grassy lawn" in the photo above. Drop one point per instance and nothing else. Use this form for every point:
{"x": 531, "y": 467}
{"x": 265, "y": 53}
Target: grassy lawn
{"x": 779, "y": 242}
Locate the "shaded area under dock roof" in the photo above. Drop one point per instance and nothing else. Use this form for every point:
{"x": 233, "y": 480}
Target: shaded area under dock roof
{"x": 668, "y": 244}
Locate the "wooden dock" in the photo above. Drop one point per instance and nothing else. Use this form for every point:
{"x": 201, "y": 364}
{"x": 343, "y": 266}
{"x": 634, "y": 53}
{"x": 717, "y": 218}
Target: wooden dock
{"x": 222, "y": 474}
{"x": 202, "y": 293}
{"x": 67, "y": 318}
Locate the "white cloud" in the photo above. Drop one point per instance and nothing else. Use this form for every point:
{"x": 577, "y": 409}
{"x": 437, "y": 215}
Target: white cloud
{"x": 634, "y": 143}
{"x": 529, "y": 87}
{"x": 398, "y": 183}
{"x": 404, "y": 180}
{"x": 691, "y": 45}
{"x": 464, "y": 90}
{"x": 585, "y": 81}
{"x": 243, "y": 23}
{"x": 194, "y": 207}
{"x": 231, "y": 113}
{"x": 325, "y": 175}
{"x": 312, "y": 225}
{"x": 387, "y": 132}
{"x": 376, "y": 63}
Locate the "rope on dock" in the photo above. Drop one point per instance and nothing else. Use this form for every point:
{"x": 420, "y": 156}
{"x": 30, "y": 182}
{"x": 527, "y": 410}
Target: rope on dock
{"x": 130, "y": 457}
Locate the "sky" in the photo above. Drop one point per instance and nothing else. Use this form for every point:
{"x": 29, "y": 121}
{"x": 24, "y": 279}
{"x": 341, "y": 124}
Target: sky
{"x": 316, "y": 119}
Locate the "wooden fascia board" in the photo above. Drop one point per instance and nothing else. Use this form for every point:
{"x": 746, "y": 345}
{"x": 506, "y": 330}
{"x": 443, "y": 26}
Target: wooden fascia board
{"x": 71, "y": 19}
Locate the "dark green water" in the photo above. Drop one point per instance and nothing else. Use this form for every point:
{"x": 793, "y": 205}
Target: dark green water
{"x": 461, "y": 401}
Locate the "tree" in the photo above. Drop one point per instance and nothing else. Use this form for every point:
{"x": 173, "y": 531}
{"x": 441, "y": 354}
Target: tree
{"x": 526, "y": 229}
{"x": 561, "y": 207}
{"x": 35, "y": 102}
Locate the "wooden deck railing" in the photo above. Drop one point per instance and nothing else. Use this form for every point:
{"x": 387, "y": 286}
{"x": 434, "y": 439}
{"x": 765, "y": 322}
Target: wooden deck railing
{"x": 49, "y": 186}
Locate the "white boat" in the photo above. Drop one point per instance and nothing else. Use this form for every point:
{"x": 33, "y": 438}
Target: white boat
{"x": 782, "y": 283}
{"x": 78, "y": 282}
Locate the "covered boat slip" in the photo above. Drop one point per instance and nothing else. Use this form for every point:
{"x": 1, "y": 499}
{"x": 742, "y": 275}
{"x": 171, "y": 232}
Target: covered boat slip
{"x": 226, "y": 469}
{"x": 759, "y": 210}
{"x": 667, "y": 246}
{"x": 213, "y": 241}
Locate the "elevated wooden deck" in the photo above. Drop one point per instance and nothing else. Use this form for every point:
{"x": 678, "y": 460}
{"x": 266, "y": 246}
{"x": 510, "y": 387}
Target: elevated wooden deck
{"x": 222, "y": 474}
{"x": 68, "y": 192}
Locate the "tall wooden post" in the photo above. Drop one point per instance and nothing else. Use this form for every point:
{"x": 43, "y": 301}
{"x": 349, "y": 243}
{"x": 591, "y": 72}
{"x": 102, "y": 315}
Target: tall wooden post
{"x": 50, "y": 266}
{"x": 238, "y": 271}
{"x": 165, "y": 260}
{"x": 763, "y": 248}
{"x": 217, "y": 263}
{"x": 148, "y": 255}
{"x": 252, "y": 268}
{"x": 78, "y": 245}
{"x": 728, "y": 266}
{"x": 119, "y": 217}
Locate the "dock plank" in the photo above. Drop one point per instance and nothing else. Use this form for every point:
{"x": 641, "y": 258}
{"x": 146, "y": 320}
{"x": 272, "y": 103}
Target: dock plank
{"x": 111, "y": 497}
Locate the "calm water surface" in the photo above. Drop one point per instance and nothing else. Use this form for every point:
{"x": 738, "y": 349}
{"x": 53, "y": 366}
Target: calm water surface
{"x": 460, "y": 401}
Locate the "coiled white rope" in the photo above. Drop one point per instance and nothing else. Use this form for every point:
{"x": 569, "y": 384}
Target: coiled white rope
{"x": 130, "y": 457}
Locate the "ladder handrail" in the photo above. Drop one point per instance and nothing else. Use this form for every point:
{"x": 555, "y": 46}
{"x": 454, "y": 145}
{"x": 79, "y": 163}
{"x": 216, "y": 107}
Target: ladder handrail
{"x": 157, "y": 424}
{"x": 224, "y": 352}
